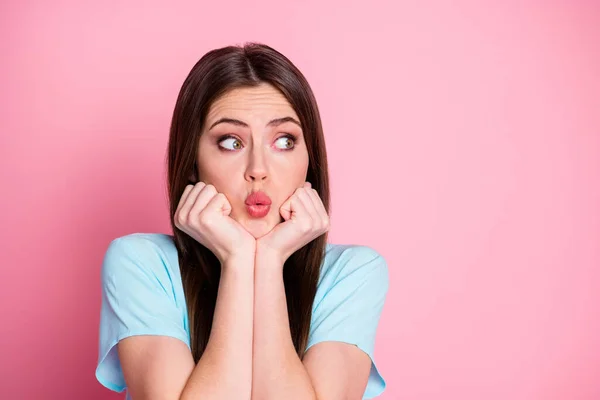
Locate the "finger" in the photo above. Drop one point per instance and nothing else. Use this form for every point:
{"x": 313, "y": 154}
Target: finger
{"x": 190, "y": 200}
{"x": 285, "y": 209}
{"x": 314, "y": 199}
{"x": 204, "y": 197}
{"x": 297, "y": 208}
{"x": 305, "y": 198}
{"x": 184, "y": 197}
{"x": 218, "y": 204}
{"x": 291, "y": 207}
{"x": 322, "y": 215}
{"x": 318, "y": 202}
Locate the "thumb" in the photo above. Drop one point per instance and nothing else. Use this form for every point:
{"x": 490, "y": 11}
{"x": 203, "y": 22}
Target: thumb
{"x": 286, "y": 210}
{"x": 219, "y": 204}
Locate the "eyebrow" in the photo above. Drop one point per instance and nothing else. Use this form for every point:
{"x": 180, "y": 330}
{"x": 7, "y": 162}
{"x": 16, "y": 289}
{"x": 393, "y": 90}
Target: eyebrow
{"x": 275, "y": 122}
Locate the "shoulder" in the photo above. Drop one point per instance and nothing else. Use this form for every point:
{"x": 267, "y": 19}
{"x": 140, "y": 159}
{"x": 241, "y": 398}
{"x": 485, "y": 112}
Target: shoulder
{"x": 349, "y": 266}
{"x": 342, "y": 260}
{"x": 145, "y": 241}
{"x": 142, "y": 294}
{"x": 146, "y": 252}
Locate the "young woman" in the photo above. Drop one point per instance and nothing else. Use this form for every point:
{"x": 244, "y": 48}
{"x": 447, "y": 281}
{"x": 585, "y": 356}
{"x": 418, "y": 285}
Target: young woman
{"x": 247, "y": 299}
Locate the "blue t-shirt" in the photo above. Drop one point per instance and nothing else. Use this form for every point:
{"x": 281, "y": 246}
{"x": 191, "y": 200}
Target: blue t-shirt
{"x": 142, "y": 294}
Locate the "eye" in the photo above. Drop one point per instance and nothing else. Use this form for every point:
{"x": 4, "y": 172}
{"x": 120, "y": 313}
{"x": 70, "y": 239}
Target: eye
{"x": 288, "y": 141}
{"x": 235, "y": 142}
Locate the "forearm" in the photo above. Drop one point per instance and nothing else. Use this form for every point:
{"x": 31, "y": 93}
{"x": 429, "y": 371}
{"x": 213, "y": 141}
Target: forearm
{"x": 225, "y": 369}
{"x": 278, "y": 372}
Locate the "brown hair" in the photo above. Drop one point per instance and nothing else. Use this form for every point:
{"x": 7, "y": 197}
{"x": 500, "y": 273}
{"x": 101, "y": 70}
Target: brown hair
{"x": 214, "y": 74}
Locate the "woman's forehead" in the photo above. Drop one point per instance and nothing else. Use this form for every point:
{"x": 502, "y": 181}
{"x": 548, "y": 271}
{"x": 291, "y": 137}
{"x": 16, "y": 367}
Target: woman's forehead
{"x": 262, "y": 101}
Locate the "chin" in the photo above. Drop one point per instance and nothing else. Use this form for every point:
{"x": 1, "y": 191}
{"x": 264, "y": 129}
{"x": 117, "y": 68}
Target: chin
{"x": 258, "y": 227}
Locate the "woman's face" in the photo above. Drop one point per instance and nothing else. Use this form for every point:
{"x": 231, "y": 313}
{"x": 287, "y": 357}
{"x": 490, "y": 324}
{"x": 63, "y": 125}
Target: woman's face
{"x": 260, "y": 155}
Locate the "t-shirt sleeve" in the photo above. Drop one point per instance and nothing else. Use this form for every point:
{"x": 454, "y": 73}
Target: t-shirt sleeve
{"x": 350, "y": 309}
{"x": 137, "y": 299}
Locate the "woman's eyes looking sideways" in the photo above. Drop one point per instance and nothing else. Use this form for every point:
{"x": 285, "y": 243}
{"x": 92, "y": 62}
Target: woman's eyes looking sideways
{"x": 288, "y": 141}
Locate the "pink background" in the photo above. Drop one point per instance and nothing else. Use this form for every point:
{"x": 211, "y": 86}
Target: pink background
{"x": 464, "y": 145}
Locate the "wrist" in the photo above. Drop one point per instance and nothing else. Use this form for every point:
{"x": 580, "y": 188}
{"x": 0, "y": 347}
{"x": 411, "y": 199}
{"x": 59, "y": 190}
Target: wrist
{"x": 269, "y": 255}
{"x": 239, "y": 261}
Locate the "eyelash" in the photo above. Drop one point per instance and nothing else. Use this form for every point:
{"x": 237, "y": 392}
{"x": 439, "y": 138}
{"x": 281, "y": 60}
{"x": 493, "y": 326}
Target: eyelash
{"x": 228, "y": 136}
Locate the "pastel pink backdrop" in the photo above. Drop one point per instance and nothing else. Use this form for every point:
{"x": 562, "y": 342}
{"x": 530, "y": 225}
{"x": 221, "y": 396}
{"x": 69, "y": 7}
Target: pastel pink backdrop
{"x": 464, "y": 145}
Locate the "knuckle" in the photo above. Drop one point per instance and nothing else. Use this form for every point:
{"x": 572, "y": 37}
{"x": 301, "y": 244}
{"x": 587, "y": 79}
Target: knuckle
{"x": 207, "y": 222}
{"x": 204, "y": 219}
{"x": 192, "y": 222}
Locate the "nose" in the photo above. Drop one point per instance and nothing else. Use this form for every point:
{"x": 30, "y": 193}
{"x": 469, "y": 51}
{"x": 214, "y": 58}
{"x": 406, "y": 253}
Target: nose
{"x": 257, "y": 168}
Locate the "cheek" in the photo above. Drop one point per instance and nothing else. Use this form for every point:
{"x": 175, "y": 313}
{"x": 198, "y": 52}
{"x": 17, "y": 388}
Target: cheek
{"x": 214, "y": 171}
{"x": 289, "y": 178}
{"x": 295, "y": 167}
{"x": 214, "y": 177}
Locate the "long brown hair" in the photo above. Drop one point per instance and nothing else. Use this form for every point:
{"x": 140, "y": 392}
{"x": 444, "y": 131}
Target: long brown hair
{"x": 217, "y": 72}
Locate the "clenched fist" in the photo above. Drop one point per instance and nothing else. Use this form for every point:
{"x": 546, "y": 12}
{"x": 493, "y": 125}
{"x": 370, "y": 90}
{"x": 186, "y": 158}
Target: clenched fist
{"x": 203, "y": 213}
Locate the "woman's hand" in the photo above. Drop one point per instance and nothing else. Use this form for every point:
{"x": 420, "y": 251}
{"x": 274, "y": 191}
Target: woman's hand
{"x": 305, "y": 219}
{"x": 203, "y": 213}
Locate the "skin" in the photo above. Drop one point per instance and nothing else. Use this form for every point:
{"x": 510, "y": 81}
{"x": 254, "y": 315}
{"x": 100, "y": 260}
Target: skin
{"x": 297, "y": 216}
{"x": 260, "y": 160}
{"x": 250, "y": 354}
